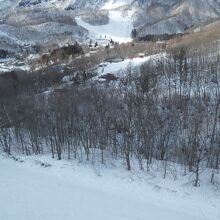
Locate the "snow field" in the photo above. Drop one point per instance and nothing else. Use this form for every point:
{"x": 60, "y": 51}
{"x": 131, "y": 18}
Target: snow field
{"x": 68, "y": 190}
{"x": 119, "y": 68}
{"x": 118, "y": 29}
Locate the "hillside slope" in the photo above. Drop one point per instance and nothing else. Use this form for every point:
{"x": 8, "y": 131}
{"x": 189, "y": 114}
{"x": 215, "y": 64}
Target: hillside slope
{"x": 161, "y": 17}
{"x": 67, "y": 191}
{"x": 152, "y": 16}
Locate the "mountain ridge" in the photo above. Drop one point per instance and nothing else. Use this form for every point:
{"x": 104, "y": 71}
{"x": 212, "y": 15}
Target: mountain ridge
{"x": 54, "y": 19}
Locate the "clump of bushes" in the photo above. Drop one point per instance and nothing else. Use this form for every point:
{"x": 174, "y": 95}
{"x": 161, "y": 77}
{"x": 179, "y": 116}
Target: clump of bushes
{"x": 63, "y": 53}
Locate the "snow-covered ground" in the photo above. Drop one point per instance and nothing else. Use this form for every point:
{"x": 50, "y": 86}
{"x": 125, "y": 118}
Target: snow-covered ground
{"x": 119, "y": 68}
{"x": 4, "y": 3}
{"x": 5, "y": 34}
{"x": 9, "y": 64}
{"x": 118, "y": 29}
{"x": 68, "y": 190}
{"x": 112, "y": 4}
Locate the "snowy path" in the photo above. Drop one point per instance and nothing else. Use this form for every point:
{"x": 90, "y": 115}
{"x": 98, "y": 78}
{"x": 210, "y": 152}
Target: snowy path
{"x": 37, "y": 194}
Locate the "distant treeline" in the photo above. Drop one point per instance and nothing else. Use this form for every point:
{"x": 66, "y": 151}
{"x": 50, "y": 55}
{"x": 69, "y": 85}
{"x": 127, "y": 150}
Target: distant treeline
{"x": 155, "y": 37}
{"x": 159, "y": 37}
{"x": 4, "y": 54}
{"x": 63, "y": 53}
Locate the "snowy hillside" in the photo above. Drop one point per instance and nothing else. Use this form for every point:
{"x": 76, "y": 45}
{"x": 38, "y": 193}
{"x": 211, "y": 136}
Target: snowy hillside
{"x": 76, "y": 5}
{"x": 161, "y": 17}
{"x": 118, "y": 28}
{"x": 25, "y": 29}
{"x": 67, "y": 190}
{"x": 153, "y": 16}
{"x": 102, "y": 117}
{"x": 54, "y": 20}
{"x": 4, "y": 3}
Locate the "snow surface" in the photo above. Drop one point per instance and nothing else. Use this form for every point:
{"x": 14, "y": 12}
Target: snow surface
{"x": 119, "y": 68}
{"x": 118, "y": 29}
{"x": 9, "y": 64}
{"x": 112, "y": 4}
{"x": 4, "y": 3}
{"x": 5, "y": 34}
{"x": 68, "y": 190}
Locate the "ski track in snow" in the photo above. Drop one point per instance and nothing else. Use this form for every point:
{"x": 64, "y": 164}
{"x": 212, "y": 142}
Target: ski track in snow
{"x": 28, "y": 191}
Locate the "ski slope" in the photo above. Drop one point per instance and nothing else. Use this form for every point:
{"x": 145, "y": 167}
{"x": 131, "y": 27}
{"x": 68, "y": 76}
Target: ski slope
{"x": 112, "y": 4}
{"x": 118, "y": 29}
{"x": 74, "y": 192}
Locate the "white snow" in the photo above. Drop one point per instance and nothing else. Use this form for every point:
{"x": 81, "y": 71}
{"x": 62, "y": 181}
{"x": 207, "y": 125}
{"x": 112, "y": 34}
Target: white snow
{"x": 118, "y": 29}
{"x": 119, "y": 67}
{"x": 4, "y": 3}
{"x": 5, "y": 34}
{"x": 70, "y": 191}
{"x": 112, "y": 4}
{"x": 9, "y": 64}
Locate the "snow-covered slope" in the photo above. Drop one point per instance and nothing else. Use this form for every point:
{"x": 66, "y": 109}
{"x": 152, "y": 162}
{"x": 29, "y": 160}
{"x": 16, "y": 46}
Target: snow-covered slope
{"x": 4, "y": 3}
{"x": 119, "y": 68}
{"x": 54, "y": 20}
{"x": 118, "y": 28}
{"x": 76, "y": 5}
{"x": 153, "y": 16}
{"x": 43, "y": 27}
{"x": 166, "y": 16}
{"x": 67, "y": 191}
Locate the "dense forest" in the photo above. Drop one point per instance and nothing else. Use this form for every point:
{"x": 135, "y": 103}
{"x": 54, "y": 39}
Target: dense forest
{"x": 168, "y": 110}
